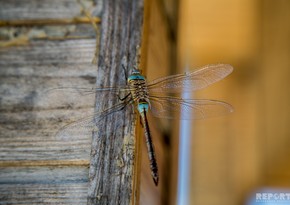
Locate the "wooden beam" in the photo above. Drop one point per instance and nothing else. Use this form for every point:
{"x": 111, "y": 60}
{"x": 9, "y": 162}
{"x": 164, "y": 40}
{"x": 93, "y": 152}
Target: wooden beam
{"x": 113, "y": 155}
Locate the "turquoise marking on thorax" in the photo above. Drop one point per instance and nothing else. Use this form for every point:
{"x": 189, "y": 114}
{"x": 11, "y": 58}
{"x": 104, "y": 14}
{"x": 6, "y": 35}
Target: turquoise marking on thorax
{"x": 143, "y": 106}
{"x": 136, "y": 77}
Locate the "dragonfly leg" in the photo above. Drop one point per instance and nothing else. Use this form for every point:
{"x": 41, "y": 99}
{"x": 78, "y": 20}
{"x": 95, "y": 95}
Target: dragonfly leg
{"x": 114, "y": 109}
{"x": 124, "y": 98}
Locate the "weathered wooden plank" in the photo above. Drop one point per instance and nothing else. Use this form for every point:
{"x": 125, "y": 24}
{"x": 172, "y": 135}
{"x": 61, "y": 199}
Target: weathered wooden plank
{"x": 44, "y": 194}
{"x": 27, "y": 93}
{"x": 43, "y": 175}
{"x": 110, "y": 181}
{"x": 43, "y": 32}
{"x": 43, "y": 185}
{"x": 37, "y": 166}
{"x": 45, "y": 9}
{"x": 31, "y": 135}
{"x": 30, "y": 116}
{"x": 49, "y": 58}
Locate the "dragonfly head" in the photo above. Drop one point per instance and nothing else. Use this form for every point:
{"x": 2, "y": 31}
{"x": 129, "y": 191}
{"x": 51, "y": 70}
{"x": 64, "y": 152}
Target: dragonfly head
{"x": 136, "y": 76}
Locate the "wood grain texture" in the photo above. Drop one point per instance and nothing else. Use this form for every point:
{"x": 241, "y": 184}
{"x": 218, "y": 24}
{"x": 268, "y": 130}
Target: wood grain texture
{"x": 72, "y": 193}
{"x": 112, "y": 156}
{"x": 49, "y": 58}
{"x": 32, "y": 157}
{"x": 43, "y": 185}
{"x": 46, "y": 9}
{"x": 36, "y": 166}
{"x": 30, "y": 117}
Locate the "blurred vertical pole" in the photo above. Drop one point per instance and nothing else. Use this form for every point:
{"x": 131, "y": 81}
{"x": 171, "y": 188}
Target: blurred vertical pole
{"x": 185, "y": 126}
{"x": 183, "y": 189}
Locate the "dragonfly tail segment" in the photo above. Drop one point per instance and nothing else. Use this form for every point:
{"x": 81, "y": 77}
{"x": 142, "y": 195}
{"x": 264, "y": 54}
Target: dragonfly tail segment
{"x": 150, "y": 148}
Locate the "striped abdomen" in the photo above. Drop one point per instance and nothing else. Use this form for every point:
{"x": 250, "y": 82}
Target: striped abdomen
{"x": 150, "y": 148}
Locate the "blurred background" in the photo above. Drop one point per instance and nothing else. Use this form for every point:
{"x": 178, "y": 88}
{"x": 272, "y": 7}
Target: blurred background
{"x": 236, "y": 156}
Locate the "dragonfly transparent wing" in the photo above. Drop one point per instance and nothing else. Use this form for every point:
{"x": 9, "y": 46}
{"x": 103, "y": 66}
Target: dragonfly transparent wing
{"x": 86, "y": 125}
{"x": 78, "y": 97}
{"x": 83, "y": 91}
{"x": 190, "y": 81}
{"x": 178, "y": 108}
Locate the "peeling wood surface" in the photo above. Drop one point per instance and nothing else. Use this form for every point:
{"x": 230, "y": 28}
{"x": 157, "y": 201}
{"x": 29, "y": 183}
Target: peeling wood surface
{"x": 36, "y": 166}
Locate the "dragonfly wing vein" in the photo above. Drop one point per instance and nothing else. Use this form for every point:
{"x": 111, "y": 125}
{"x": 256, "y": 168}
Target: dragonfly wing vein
{"x": 86, "y": 125}
{"x": 190, "y": 81}
{"x": 187, "y": 109}
{"x": 83, "y": 91}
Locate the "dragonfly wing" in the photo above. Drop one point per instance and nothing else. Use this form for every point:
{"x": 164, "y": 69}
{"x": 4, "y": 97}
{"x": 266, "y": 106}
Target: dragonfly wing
{"x": 83, "y": 91}
{"x": 66, "y": 97}
{"x": 86, "y": 125}
{"x": 187, "y": 109}
{"x": 73, "y": 130}
{"x": 190, "y": 81}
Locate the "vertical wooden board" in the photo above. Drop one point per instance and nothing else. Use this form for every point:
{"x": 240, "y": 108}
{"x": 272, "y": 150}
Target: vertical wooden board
{"x": 113, "y": 147}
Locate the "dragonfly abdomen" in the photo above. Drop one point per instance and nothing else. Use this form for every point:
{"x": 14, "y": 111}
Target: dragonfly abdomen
{"x": 150, "y": 148}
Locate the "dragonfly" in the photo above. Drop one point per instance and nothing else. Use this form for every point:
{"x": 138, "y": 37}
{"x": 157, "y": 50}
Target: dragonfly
{"x": 155, "y": 97}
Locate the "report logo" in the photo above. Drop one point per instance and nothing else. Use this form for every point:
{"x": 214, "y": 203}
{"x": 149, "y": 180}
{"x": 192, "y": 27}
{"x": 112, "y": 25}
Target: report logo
{"x": 273, "y": 197}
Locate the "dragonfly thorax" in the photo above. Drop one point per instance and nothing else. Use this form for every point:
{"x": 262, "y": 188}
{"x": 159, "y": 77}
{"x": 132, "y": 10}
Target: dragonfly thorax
{"x": 138, "y": 88}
